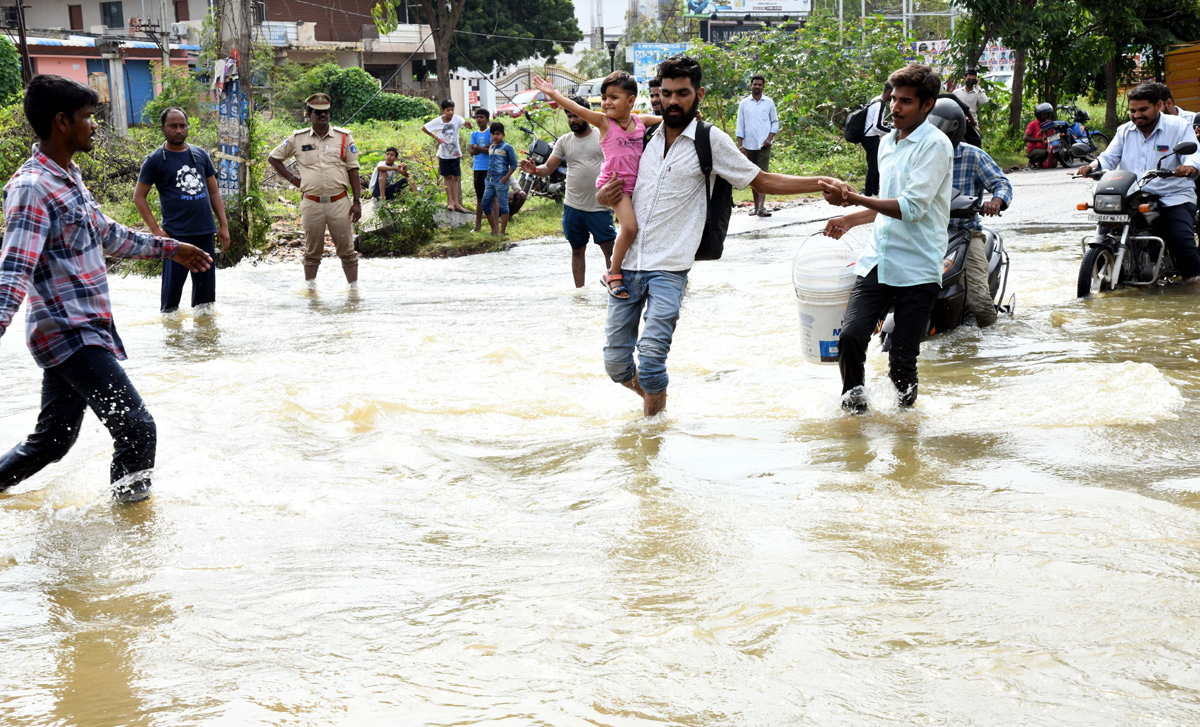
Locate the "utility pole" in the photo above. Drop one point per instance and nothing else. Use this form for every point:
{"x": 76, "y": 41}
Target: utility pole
{"x": 26, "y": 64}
{"x": 164, "y": 32}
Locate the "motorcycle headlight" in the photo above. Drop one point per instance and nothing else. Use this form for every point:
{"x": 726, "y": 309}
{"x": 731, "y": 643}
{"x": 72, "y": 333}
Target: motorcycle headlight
{"x": 1108, "y": 203}
{"x": 948, "y": 261}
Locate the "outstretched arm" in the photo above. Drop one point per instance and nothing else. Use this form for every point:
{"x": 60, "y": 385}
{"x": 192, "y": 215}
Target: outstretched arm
{"x": 768, "y": 183}
{"x": 595, "y": 118}
{"x": 651, "y": 119}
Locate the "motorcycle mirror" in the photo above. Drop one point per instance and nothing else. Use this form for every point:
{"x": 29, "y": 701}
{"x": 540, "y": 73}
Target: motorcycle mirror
{"x": 1185, "y": 148}
{"x": 1080, "y": 150}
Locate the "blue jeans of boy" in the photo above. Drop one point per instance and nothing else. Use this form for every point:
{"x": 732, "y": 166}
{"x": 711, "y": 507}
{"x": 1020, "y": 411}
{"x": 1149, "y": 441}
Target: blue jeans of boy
{"x": 659, "y": 294}
{"x": 495, "y": 190}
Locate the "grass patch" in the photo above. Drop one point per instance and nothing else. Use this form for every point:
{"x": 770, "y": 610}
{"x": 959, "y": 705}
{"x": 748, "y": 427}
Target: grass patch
{"x": 539, "y": 217}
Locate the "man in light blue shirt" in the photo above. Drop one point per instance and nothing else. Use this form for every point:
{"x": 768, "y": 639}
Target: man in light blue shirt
{"x": 757, "y": 125}
{"x": 1138, "y": 145}
{"x": 901, "y": 267}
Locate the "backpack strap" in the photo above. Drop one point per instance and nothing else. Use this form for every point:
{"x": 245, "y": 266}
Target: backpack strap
{"x": 704, "y": 153}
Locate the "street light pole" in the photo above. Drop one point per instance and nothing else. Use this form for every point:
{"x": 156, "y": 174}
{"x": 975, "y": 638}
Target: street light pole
{"x": 26, "y": 64}
{"x": 612, "y": 55}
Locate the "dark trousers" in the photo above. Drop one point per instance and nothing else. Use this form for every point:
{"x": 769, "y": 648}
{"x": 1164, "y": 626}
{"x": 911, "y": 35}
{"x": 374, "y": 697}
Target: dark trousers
{"x": 871, "y": 187}
{"x": 869, "y": 302}
{"x": 1176, "y": 225}
{"x": 204, "y": 285}
{"x": 390, "y": 190}
{"x": 90, "y": 378}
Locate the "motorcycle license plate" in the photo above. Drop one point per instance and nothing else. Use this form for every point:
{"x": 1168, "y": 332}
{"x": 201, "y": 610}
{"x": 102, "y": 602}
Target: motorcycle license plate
{"x": 1054, "y": 137}
{"x": 1107, "y": 218}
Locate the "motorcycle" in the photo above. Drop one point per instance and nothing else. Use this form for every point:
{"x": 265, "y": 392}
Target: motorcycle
{"x": 1124, "y": 250}
{"x": 1077, "y": 132}
{"x": 552, "y": 187}
{"x": 1057, "y": 133}
{"x": 950, "y": 309}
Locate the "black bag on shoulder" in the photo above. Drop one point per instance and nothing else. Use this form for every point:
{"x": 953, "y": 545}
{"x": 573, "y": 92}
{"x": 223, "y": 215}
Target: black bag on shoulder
{"x": 719, "y": 193}
{"x": 856, "y": 125}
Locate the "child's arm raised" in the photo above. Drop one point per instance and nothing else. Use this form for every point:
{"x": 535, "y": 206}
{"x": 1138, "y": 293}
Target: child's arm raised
{"x": 651, "y": 119}
{"x": 595, "y": 118}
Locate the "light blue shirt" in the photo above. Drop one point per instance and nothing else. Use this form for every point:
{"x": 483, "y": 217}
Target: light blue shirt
{"x": 918, "y": 171}
{"x": 1134, "y": 152}
{"x": 756, "y": 120}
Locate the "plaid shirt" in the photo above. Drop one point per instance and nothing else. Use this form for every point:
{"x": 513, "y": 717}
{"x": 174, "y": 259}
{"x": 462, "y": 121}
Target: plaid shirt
{"x": 974, "y": 172}
{"x": 55, "y": 241}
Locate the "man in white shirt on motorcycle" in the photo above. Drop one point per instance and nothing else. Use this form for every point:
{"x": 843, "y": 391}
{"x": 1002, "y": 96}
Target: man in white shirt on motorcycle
{"x": 1138, "y": 145}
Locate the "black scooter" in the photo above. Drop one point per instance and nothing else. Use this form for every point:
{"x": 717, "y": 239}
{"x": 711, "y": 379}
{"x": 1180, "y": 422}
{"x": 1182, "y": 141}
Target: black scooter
{"x": 950, "y": 309}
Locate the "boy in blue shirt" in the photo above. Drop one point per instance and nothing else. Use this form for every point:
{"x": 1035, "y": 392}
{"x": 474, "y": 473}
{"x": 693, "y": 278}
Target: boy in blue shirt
{"x": 480, "y": 141}
{"x": 502, "y": 161}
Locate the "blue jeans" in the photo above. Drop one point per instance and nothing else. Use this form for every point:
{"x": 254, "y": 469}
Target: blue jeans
{"x": 495, "y": 190}
{"x": 660, "y": 293}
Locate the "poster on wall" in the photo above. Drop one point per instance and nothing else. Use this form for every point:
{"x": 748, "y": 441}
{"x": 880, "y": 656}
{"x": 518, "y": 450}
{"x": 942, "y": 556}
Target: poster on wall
{"x": 738, "y": 8}
{"x": 232, "y": 132}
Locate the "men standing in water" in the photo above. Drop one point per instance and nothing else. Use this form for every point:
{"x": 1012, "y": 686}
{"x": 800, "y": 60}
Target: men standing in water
{"x": 902, "y": 265}
{"x": 1139, "y": 143}
{"x": 583, "y": 216}
{"x": 187, "y": 193}
{"x": 55, "y": 242}
{"x": 757, "y": 125}
{"x": 671, "y": 203}
{"x": 328, "y": 162}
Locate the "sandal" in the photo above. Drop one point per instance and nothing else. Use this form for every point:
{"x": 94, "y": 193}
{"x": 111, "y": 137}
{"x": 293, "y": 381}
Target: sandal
{"x": 764, "y": 212}
{"x": 617, "y": 291}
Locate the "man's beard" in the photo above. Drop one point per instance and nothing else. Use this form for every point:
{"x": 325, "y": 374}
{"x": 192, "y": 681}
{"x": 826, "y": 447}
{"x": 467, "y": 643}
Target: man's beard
{"x": 676, "y": 118}
{"x": 578, "y": 127}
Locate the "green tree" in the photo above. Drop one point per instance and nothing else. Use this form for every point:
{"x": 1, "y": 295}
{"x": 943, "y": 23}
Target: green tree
{"x": 10, "y": 72}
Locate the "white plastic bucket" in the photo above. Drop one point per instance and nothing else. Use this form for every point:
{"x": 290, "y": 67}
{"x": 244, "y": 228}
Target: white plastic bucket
{"x": 823, "y": 275}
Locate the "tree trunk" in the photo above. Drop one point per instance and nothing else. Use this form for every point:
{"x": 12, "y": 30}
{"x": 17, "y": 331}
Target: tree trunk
{"x": 1018, "y": 88}
{"x": 1110, "y": 93}
{"x": 442, "y": 39}
{"x": 443, "y": 19}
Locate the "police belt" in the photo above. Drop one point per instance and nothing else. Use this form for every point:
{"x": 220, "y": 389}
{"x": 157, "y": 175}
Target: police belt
{"x": 326, "y": 200}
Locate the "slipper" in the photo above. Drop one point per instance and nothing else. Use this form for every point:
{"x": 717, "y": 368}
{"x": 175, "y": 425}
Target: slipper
{"x": 764, "y": 213}
{"x": 618, "y": 290}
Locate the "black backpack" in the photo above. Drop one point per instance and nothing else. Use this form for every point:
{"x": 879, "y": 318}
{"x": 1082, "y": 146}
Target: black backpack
{"x": 856, "y": 125}
{"x": 719, "y": 195}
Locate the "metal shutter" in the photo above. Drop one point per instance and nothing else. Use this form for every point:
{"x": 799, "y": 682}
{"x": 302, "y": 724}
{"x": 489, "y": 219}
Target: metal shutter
{"x": 139, "y": 82}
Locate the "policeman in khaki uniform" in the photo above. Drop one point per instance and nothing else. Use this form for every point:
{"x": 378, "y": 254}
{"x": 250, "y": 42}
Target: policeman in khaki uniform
{"x": 328, "y": 163}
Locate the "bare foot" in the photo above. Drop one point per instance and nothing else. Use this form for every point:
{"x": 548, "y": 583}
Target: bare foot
{"x": 634, "y": 386}
{"x": 654, "y": 403}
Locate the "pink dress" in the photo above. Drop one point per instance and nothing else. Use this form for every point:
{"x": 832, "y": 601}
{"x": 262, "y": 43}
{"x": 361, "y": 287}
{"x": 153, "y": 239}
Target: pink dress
{"x": 622, "y": 154}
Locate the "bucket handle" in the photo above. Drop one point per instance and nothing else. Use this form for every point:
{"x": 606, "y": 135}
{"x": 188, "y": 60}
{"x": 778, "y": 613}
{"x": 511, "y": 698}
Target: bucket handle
{"x": 844, "y": 239}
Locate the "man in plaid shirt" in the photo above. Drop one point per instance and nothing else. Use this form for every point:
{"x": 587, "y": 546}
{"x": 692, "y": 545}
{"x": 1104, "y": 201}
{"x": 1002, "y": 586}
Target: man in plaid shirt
{"x": 974, "y": 173}
{"x": 55, "y": 242}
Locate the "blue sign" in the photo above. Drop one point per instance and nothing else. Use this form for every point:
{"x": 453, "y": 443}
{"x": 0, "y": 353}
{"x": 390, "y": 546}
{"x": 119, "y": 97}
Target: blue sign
{"x": 647, "y": 56}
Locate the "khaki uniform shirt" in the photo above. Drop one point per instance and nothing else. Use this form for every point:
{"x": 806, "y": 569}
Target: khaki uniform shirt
{"x": 325, "y": 161}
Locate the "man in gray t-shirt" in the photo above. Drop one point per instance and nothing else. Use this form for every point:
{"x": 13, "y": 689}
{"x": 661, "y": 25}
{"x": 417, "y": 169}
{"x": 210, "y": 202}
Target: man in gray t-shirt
{"x": 583, "y": 216}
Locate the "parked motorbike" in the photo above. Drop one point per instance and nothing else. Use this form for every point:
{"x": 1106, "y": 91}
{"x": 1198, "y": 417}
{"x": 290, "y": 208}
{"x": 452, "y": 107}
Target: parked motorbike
{"x": 1124, "y": 250}
{"x": 552, "y": 187}
{"x": 1077, "y": 131}
{"x": 950, "y": 309}
{"x": 1057, "y": 134}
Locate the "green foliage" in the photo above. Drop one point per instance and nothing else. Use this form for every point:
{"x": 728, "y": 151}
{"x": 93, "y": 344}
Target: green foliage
{"x": 181, "y": 88}
{"x": 815, "y": 74}
{"x": 406, "y": 223}
{"x": 510, "y": 31}
{"x": 10, "y": 72}
{"x": 353, "y": 90}
{"x": 16, "y": 138}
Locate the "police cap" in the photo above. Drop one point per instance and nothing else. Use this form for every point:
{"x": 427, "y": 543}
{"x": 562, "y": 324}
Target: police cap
{"x": 318, "y": 101}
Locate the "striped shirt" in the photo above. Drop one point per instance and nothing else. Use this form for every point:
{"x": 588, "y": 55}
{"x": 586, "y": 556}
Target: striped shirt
{"x": 975, "y": 172}
{"x": 55, "y": 240}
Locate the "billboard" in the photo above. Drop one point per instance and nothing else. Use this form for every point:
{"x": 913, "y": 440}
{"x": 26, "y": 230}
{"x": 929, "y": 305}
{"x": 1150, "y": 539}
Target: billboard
{"x": 647, "y": 56}
{"x": 738, "y": 8}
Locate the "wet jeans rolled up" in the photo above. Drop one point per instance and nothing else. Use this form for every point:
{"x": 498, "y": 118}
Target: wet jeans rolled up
{"x": 660, "y": 294}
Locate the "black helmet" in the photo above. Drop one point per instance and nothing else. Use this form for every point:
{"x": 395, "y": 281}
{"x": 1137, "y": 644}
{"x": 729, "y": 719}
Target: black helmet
{"x": 948, "y": 116}
{"x": 1082, "y": 116}
{"x": 1043, "y": 108}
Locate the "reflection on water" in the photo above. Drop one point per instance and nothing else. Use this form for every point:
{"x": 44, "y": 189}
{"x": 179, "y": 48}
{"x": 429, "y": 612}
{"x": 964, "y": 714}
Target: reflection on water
{"x": 424, "y": 503}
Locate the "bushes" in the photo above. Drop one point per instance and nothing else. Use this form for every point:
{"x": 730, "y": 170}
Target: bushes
{"x": 406, "y": 223}
{"x": 10, "y": 72}
{"x": 352, "y": 89}
{"x": 181, "y": 88}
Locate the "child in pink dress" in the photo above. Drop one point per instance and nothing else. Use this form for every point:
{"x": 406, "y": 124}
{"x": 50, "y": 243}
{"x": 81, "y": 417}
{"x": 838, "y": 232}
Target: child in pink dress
{"x": 622, "y": 135}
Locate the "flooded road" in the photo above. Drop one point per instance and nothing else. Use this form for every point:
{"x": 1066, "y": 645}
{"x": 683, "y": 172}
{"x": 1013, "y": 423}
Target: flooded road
{"x": 427, "y": 505}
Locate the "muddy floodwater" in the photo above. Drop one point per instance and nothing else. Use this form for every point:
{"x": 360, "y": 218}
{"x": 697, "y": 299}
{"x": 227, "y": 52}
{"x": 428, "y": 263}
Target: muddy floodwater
{"x": 427, "y": 505}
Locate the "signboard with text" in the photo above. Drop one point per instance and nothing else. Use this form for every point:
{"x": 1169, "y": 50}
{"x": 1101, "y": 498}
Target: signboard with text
{"x": 647, "y": 56}
{"x": 738, "y": 8}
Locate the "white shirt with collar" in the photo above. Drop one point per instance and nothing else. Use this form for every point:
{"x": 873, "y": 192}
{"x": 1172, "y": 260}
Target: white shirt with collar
{"x": 874, "y": 123}
{"x": 756, "y": 120}
{"x": 669, "y": 199}
{"x": 1132, "y": 151}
